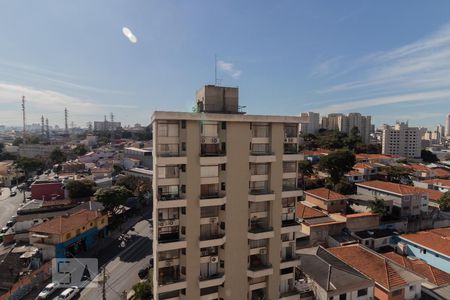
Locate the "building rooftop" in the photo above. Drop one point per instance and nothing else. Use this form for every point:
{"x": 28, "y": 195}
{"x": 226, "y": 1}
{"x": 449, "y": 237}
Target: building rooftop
{"x": 306, "y": 212}
{"x": 377, "y": 267}
{"x": 330, "y": 272}
{"x": 438, "y": 182}
{"x": 375, "y": 233}
{"x": 62, "y": 224}
{"x": 437, "y": 240}
{"x": 326, "y": 194}
{"x": 430, "y": 273}
{"x": 172, "y": 115}
{"x": 390, "y": 187}
{"x": 441, "y": 172}
{"x": 144, "y": 150}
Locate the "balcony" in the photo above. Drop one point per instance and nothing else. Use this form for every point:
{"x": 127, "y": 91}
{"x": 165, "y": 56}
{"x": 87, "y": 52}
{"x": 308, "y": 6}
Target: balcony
{"x": 212, "y": 240}
{"x": 287, "y": 223}
{"x": 212, "y": 199}
{"x": 289, "y": 261}
{"x": 211, "y": 293}
{"x": 288, "y": 226}
{"x": 171, "y": 242}
{"x": 211, "y": 280}
{"x": 291, "y": 191}
{"x": 261, "y": 156}
{"x": 171, "y": 200}
{"x": 259, "y": 270}
{"x": 291, "y": 294}
{"x": 171, "y": 158}
{"x": 174, "y": 295}
{"x": 260, "y": 232}
{"x": 257, "y": 195}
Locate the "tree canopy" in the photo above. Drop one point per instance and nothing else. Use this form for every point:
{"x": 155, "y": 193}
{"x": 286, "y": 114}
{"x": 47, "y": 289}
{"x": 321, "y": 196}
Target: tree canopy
{"x": 138, "y": 186}
{"x": 336, "y": 164}
{"x": 444, "y": 202}
{"x": 29, "y": 165}
{"x": 144, "y": 290}
{"x": 80, "y": 150}
{"x": 57, "y": 156}
{"x": 80, "y": 188}
{"x": 379, "y": 207}
{"x": 113, "y": 196}
{"x": 428, "y": 156}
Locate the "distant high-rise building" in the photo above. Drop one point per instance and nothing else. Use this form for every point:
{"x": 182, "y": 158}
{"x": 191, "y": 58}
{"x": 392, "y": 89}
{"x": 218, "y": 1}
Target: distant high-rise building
{"x": 345, "y": 124}
{"x": 106, "y": 125}
{"x": 447, "y": 126}
{"x": 225, "y": 191}
{"x": 309, "y": 123}
{"x": 401, "y": 140}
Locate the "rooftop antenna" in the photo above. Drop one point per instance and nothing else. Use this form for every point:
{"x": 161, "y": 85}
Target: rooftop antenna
{"x": 111, "y": 116}
{"x": 42, "y": 126}
{"x": 47, "y": 130}
{"x": 23, "y": 117}
{"x": 215, "y": 69}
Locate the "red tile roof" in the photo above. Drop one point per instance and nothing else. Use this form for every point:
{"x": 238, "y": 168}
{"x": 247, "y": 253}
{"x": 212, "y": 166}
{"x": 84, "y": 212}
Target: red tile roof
{"x": 432, "y": 274}
{"x": 353, "y": 173}
{"x": 441, "y": 172}
{"x": 438, "y": 182}
{"x": 372, "y": 264}
{"x": 363, "y": 156}
{"x": 306, "y": 212}
{"x": 362, "y": 166}
{"x": 433, "y": 195}
{"x": 325, "y": 194}
{"x": 63, "y": 224}
{"x": 437, "y": 240}
{"x": 394, "y": 188}
{"x": 361, "y": 215}
{"x": 418, "y": 168}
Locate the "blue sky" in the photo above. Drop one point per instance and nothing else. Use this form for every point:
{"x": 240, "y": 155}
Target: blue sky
{"x": 389, "y": 59}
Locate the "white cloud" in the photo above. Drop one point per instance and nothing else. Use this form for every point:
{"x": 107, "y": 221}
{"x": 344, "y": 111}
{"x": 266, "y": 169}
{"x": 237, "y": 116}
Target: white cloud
{"x": 229, "y": 69}
{"x": 129, "y": 35}
{"x": 326, "y": 67}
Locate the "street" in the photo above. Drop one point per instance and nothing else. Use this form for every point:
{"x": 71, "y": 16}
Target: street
{"x": 9, "y": 205}
{"x": 124, "y": 263}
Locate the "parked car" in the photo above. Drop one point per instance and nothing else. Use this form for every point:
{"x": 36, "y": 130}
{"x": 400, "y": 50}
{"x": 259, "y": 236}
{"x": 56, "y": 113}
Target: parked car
{"x": 143, "y": 273}
{"x": 48, "y": 290}
{"x": 10, "y": 223}
{"x": 13, "y": 194}
{"x": 68, "y": 293}
{"x": 4, "y": 229}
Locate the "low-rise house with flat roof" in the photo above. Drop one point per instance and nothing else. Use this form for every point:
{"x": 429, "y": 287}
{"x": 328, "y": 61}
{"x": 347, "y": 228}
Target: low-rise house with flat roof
{"x": 432, "y": 246}
{"x": 407, "y": 200}
{"x": 441, "y": 185}
{"x": 392, "y": 282}
{"x": 331, "y": 278}
{"x": 375, "y": 238}
{"x": 326, "y": 199}
{"x": 68, "y": 235}
{"x": 47, "y": 190}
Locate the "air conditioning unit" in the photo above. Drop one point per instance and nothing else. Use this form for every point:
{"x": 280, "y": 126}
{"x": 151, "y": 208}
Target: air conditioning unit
{"x": 203, "y": 139}
{"x": 213, "y": 220}
{"x": 170, "y": 222}
{"x": 161, "y": 224}
{"x": 288, "y": 140}
{"x": 214, "y": 259}
{"x": 263, "y": 251}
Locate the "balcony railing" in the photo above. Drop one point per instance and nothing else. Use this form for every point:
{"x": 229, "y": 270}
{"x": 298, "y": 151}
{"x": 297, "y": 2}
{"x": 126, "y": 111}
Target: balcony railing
{"x": 167, "y": 197}
{"x": 207, "y": 237}
{"x": 260, "y": 191}
{"x": 212, "y": 153}
{"x": 260, "y": 153}
{"x": 289, "y": 258}
{"x": 260, "y": 229}
{"x": 169, "y": 278}
{"x": 169, "y": 238}
{"x": 286, "y": 223}
{"x": 212, "y": 195}
{"x": 259, "y": 266}
{"x": 169, "y": 154}
{"x": 290, "y": 292}
{"x": 287, "y": 188}
{"x": 291, "y": 150}
{"x": 211, "y": 276}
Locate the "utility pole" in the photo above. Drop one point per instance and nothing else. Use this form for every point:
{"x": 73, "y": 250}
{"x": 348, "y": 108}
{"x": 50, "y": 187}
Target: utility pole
{"x": 66, "y": 117}
{"x": 47, "y": 130}
{"x": 42, "y": 126}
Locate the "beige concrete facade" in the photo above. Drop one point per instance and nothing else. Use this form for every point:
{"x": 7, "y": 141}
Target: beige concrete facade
{"x": 223, "y": 207}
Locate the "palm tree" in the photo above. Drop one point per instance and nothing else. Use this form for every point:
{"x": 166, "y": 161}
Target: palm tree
{"x": 305, "y": 168}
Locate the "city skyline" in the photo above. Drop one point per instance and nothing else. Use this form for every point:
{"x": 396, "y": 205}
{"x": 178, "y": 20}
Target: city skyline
{"x": 318, "y": 60}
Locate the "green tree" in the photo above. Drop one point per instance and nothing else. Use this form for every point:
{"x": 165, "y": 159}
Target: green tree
{"x": 116, "y": 170}
{"x": 305, "y": 168}
{"x": 344, "y": 187}
{"x": 17, "y": 141}
{"x": 144, "y": 290}
{"x": 444, "y": 202}
{"x": 57, "y": 156}
{"x": 80, "y": 150}
{"x": 113, "y": 196}
{"x": 138, "y": 186}
{"x": 395, "y": 173}
{"x": 80, "y": 188}
{"x": 309, "y": 141}
{"x": 379, "y": 207}
{"x": 332, "y": 139}
{"x": 428, "y": 156}
{"x": 353, "y": 139}
{"x": 336, "y": 164}
{"x": 29, "y": 165}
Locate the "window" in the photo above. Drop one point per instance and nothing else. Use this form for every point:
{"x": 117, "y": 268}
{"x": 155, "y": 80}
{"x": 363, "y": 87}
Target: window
{"x": 68, "y": 236}
{"x": 411, "y": 288}
{"x": 396, "y": 293}
{"x": 209, "y": 171}
{"x": 168, "y": 129}
{"x": 209, "y": 129}
{"x": 224, "y": 125}
{"x": 362, "y": 292}
{"x": 342, "y": 296}
{"x": 183, "y": 124}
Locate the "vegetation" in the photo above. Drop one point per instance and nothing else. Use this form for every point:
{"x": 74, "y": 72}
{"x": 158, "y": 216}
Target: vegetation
{"x": 396, "y": 173}
{"x": 444, "y": 202}
{"x": 17, "y": 141}
{"x": 138, "y": 186}
{"x": 80, "y": 188}
{"x": 336, "y": 164}
{"x": 57, "y": 156}
{"x": 79, "y": 150}
{"x": 29, "y": 165}
{"x": 113, "y": 196}
{"x": 144, "y": 290}
{"x": 5, "y": 155}
{"x": 305, "y": 168}
{"x": 428, "y": 156}
{"x": 344, "y": 187}
{"x": 379, "y": 207}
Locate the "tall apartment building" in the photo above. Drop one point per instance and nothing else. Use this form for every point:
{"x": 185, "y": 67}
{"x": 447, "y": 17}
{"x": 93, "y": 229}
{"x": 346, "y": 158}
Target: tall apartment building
{"x": 224, "y": 204}
{"x": 106, "y": 125}
{"x": 401, "y": 140}
{"x": 309, "y": 123}
{"x": 447, "y": 126}
{"x": 345, "y": 124}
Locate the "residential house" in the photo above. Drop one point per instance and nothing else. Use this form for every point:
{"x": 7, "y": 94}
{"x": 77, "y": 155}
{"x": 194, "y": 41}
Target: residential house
{"x": 369, "y": 171}
{"x": 392, "y": 281}
{"x": 315, "y": 155}
{"x": 420, "y": 171}
{"x": 441, "y": 173}
{"x": 408, "y": 201}
{"x": 143, "y": 156}
{"x": 354, "y": 176}
{"x": 326, "y": 200}
{"x": 432, "y": 246}
{"x": 375, "y": 238}
{"x": 376, "y": 158}
{"x": 47, "y": 190}
{"x": 441, "y": 185}
{"x": 362, "y": 221}
{"x": 332, "y": 279}
{"x": 68, "y": 235}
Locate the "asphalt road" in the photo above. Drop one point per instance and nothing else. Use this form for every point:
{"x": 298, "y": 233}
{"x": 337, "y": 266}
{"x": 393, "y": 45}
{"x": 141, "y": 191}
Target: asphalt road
{"x": 122, "y": 268}
{"x": 9, "y": 205}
